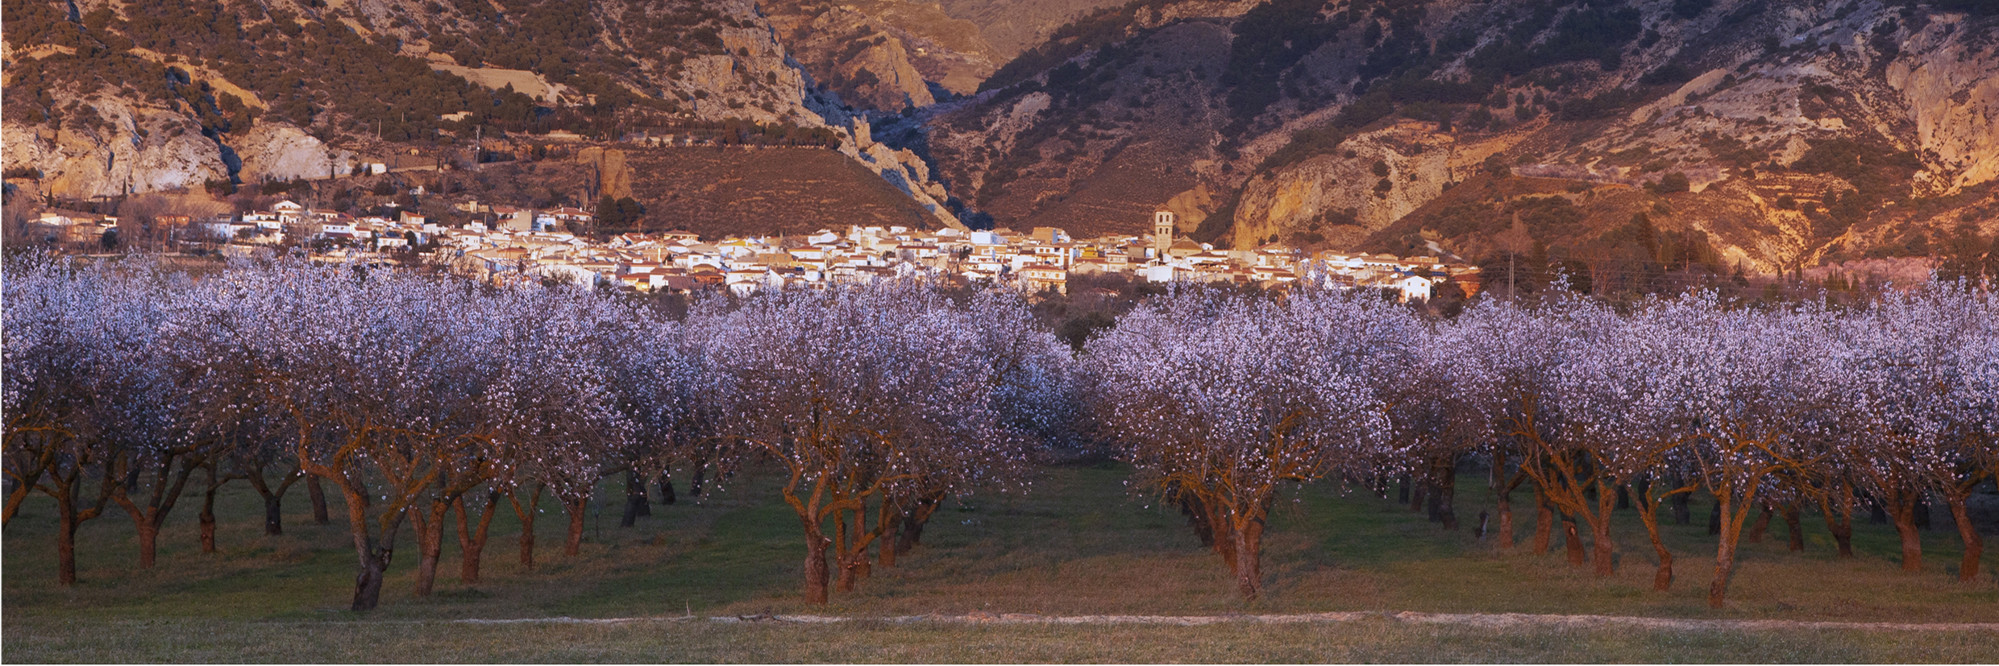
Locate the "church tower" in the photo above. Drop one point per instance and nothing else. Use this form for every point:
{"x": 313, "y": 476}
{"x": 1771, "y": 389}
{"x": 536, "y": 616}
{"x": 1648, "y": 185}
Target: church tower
{"x": 1162, "y": 233}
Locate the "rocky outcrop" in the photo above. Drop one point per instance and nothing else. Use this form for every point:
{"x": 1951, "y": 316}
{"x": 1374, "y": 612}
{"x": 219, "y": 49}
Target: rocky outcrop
{"x": 275, "y": 151}
{"x": 884, "y": 55}
{"x": 902, "y": 168}
{"x": 1344, "y": 197}
{"x": 120, "y": 149}
{"x": 1733, "y": 95}
{"x": 1952, "y": 95}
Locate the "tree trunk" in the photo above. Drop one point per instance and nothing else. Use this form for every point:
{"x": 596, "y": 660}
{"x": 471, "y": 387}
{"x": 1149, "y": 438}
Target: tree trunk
{"x": 1842, "y": 534}
{"x": 1648, "y": 511}
{"x": 208, "y": 518}
{"x": 430, "y": 546}
{"x": 694, "y": 486}
{"x": 1902, "y": 510}
{"x": 148, "y": 519}
{"x": 862, "y": 539}
{"x": 318, "y": 495}
{"x": 1503, "y": 495}
{"x": 1402, "y": 490}
{"x": 373, "y": 553}
{"x": 666, "y": 495}
{"x": 368, "y": 583}
{"x": 1974, "y": 547}
{"x": 1682, "y": 513}
{"x": 1249, "y": 559}
{"x": 1795, "y": 530}
{"x": 843, "y": 547}
{"x": 472, "y": 542}
{"x": 274, "y": 515}
{"x": 66, "y": 513}
{"x": 526, "y": 513}
{"x": 1544, "y": 519}
{"x": 815, "y": 567}
{"x": 1714, "y": 519}
{"x": 1417, "y": 492}
{"x": 1444, "y": 493}
{"x": 1837, "y": 506}
{"x": 1573, "y": 542}
{"x": 891, "y": 532}
{"x": 636, "y": 503}
{"x": 1724, "y": 560}
{"x": 1922, "y": 511}
{"x": 578, "y": 509}
{"x": 1762, "y": 524}
{"x": 1197, "y": 518}
{"x": 149, "y": 543}
{"x": 913, "y": 521}
{"x": 1606, "y": 557}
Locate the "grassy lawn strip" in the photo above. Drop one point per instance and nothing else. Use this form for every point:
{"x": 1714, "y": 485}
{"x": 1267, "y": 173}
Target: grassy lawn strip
{"x": 1368, "y": 640}
{"x": 1077, "y": 545}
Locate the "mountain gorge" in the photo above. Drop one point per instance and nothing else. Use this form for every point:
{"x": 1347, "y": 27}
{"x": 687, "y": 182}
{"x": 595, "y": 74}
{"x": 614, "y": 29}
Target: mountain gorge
{"x": 1761, "y": 135}
{"x": 1778, "y": 135}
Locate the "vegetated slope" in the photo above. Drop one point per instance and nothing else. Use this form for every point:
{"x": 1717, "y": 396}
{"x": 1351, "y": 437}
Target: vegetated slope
{"x": 111, "y": 97}
{"x": 1811, "y": 131}
{"x": 716, "y": 192}
{"x": 892, "y": 55}
{"x": 884, "y": 54}
{"x": 1014, "y": 26}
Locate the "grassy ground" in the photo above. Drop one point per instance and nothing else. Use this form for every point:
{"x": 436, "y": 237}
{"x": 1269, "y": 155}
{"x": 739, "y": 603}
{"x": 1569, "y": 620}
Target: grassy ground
{"x": 1078, "y": 544}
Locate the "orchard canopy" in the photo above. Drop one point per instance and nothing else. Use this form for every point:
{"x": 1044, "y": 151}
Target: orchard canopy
{"x": 417, "y": 402}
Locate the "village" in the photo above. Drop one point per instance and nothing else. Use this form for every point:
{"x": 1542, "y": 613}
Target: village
{"x": 504, "y": 244}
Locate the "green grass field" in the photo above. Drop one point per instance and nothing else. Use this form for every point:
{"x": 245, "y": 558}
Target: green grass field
{"x": 1078, "y": 544}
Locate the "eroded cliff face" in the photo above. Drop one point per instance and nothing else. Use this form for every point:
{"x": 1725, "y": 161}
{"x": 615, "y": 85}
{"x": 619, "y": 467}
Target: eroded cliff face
{"x": 885, "y": 55}
{"x": 121, "y": 148}
{"x": 1948, "y": 76}
{"x": 617, "y": 63}
{"x": 1342, "y": 198}
{"x": 1807, "y": 132}
{"x": 274, "y": 151}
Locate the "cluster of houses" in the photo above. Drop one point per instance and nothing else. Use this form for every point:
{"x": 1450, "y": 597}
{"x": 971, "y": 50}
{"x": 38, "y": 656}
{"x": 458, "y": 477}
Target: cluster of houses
{"x": 518, "y": 244}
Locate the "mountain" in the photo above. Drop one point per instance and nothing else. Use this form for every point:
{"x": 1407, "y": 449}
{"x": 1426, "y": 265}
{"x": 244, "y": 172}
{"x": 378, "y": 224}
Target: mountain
{"x": 112, "y": 97}
{"x": 1767, "y": 134}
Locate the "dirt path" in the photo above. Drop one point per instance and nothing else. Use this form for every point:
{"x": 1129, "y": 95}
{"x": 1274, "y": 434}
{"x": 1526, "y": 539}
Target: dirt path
{"x": 1490, "y": 620}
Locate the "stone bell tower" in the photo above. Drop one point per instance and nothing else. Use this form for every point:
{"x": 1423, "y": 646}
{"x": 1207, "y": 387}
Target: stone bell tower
{"x": 1162, "y": 233}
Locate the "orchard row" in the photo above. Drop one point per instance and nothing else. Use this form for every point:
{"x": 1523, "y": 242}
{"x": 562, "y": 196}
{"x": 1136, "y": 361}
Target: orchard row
{"x": 422, "y": 401}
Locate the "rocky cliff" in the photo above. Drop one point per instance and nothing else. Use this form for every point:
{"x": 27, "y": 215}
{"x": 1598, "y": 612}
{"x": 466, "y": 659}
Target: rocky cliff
{"x": 108, "y": 97}
{"x": 1805, "y": 132}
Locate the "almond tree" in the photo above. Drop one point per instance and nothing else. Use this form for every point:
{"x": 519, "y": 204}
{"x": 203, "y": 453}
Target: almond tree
{"x": 1025, "y": 388}
{"x": 851, "y": 392}
{"x": 143, "y": 423}
{"x": 1920, "y": 395}
{"x": 1625, "y": 393}
{"x": 55, "y": 360}
{"x": 1220, "y": 399}
{"x": 1763, "y": 373}
{"x": 1512, "y": 357}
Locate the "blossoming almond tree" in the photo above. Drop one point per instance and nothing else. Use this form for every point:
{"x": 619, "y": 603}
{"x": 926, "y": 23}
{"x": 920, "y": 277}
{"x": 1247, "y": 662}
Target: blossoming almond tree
{"x": 851, "y": 391}
{"x": 1221, "y": 399}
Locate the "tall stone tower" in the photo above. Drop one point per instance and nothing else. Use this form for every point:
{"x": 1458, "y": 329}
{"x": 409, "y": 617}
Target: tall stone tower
{"x": 1162, "y": 233}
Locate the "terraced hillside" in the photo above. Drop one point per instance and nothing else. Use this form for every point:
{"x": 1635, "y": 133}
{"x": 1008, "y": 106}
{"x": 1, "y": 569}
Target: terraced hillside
{"x": 717, "y": 192}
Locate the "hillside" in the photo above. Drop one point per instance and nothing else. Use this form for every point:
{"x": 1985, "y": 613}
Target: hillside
{"x": 113, "y": 97}
{"x": 1789, "y": 133}
{"x": 767, "y": 192}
